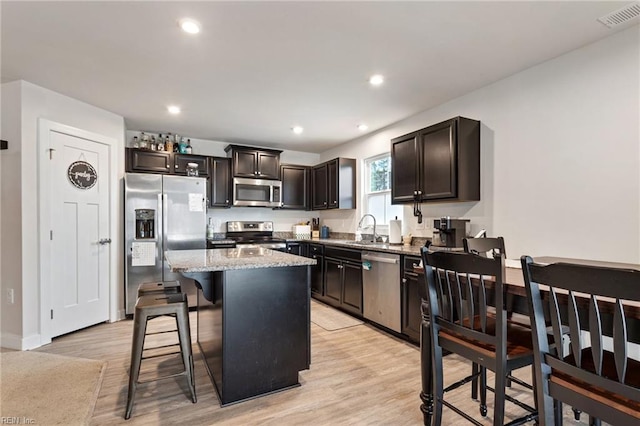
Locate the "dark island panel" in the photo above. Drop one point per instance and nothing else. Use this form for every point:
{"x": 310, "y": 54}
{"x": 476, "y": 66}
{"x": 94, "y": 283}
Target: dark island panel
{"x": 255, "y": 334}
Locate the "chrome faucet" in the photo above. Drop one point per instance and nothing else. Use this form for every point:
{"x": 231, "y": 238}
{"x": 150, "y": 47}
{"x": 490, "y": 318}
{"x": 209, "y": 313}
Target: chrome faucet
{"x": 375, "y": 236}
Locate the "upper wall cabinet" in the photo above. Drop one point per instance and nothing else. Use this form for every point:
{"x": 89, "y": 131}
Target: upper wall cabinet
{"x": 220, "y": 182}
{"x": 295, "y": 187}
{"x": 140, "y": 160}
{"x": 147, "y": 161}
{"x": 437, "y": 163}
{"x": 334, "y": 185}
{"x": 256, "y": 163}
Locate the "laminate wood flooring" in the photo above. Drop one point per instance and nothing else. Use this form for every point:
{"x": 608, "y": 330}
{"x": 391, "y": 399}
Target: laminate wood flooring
{"x": 358, "y": 376}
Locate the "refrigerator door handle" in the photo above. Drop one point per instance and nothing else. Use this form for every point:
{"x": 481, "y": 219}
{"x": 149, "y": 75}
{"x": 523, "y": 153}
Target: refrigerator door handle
{"x": 165, "y": 226}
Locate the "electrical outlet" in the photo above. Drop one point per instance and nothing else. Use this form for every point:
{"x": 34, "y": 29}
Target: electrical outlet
{"x": 10, "y": 299}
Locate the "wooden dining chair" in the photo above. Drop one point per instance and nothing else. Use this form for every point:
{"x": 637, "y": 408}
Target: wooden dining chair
{"x": 482, "y": 246}
{"x": 457, "y": 292}
{"x": 596, "y": 375}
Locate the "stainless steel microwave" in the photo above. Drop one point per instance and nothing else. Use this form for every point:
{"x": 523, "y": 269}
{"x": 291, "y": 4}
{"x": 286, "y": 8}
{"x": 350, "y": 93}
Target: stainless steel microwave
{"x": 257, "y": 192}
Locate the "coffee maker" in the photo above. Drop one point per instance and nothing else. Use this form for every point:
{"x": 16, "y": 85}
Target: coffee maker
{"x": 450, "y": 232}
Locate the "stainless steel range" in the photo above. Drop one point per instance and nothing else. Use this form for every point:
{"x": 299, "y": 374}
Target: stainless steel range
{"x": 254, "y": 234}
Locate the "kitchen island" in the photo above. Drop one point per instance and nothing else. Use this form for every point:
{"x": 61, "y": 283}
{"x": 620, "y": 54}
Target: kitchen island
{"x": 253, "y": 317}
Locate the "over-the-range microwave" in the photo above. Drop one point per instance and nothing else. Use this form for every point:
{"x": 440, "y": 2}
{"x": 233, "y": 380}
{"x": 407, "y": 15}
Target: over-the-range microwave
{"x": 257, "y": 192}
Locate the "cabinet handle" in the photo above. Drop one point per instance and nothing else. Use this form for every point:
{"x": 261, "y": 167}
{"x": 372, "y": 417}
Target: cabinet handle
{"x": 340, "y": 266}
{"x": 226, "y": 201}
{"x": 404, "y": 281}
{"x": 168, "y": 166}
{"x": 324, "y": 202}
{"x": 415, "y": 192}
{"x": 419, "y": 192}
{"x": 258, "y": 173}
{"x": 176, "y": 166}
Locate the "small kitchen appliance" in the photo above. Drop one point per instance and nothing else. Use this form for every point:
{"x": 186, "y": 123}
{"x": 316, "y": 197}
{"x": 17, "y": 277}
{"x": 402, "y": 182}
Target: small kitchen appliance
{"x": 450, "y": 232}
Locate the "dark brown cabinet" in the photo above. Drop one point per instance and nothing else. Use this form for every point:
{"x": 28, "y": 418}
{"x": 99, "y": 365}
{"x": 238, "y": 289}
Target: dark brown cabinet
{"x": 333, "y": 185}
{"x": 316, "y": 251}
{"x": 437, "y": 163}
{"x": 343, "y": 279}
{"x": 141, "y": 160}
{"x": 180, "y": 162}
{"x": 411, "y": 301}
{"x": 254, "y": 163}
{"x": 299, "y": 249}
{"x": 295, "y": 187}
{"x": 220, "y": 182}
{"x": 147, "y": 161}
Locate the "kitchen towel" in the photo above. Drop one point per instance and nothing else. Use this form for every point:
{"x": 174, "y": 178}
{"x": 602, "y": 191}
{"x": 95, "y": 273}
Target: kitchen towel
{"x": 395, "y": 232}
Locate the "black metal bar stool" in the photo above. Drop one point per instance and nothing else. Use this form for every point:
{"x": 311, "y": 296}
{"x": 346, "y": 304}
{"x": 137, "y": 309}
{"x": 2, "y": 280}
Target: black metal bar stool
{"x": 148, "y": 307}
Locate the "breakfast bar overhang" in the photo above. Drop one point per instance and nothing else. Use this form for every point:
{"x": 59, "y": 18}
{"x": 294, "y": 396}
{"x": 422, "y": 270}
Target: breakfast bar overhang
{"x": 253, "y": 317}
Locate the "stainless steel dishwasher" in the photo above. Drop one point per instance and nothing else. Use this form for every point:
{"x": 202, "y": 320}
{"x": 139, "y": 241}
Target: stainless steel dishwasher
{"x": 381, "y": 289}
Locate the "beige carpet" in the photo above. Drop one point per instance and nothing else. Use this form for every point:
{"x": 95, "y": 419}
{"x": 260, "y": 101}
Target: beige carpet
{"x": 329, "y": 318}
{"x": 48, "y": 389}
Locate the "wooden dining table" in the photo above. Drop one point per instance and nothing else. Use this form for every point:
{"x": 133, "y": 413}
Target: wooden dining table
{"x": 516, "y": 301}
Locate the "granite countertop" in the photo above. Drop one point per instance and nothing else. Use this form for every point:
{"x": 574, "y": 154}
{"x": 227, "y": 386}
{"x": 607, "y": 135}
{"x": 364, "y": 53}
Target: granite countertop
{"x": 232, "y": 258}
{"x": 413, "y": 250}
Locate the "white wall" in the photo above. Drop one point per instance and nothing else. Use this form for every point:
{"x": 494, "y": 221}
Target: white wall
{"x": 282, "y": 219}
{"x": 560, "y": 155}
{"x": 34, "y": 103}
{"x": 10, "y": 216}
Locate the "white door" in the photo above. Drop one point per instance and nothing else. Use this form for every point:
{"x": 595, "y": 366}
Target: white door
{"x": 80, "y": 239}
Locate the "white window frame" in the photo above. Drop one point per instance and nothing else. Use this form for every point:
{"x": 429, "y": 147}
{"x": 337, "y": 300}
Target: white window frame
{"x": 382, "y": 227}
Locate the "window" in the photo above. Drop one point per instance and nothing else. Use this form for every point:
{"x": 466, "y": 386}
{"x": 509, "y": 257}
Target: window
{"x": 377, "y": 189}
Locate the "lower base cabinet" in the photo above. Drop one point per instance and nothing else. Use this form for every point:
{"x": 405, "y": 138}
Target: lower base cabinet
{"x": 343, "y": 279}
{"x": 411, "y": 301}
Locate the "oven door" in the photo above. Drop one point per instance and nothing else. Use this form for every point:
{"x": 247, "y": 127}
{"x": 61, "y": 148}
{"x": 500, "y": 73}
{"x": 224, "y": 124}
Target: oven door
{"x": 256, "y": 192}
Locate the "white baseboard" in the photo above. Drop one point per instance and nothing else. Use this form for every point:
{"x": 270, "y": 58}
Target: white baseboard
{"x": 13, "y": 341}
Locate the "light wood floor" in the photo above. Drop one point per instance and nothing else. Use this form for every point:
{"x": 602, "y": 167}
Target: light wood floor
{"x": 358, "y": 376}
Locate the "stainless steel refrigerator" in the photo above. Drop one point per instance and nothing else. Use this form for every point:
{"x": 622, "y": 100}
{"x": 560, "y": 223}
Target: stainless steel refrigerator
{"x": 161, "y": 213}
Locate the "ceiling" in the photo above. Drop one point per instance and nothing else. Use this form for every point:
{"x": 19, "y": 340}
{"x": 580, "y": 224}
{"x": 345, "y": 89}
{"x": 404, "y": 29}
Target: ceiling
{"x": 259, "y": 68}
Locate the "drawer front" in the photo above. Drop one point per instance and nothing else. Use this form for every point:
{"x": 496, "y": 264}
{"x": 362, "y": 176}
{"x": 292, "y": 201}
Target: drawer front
{"x": 346, "y": 254}
{"x": 409, "y": 262}
{"x": 316, "y": 249}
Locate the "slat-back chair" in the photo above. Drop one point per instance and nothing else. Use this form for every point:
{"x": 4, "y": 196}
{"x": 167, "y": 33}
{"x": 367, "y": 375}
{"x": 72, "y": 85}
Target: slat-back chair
{"x": 481, "y": 247}
{"x": 457, "y": 295}
{"x": 603, "y": 382}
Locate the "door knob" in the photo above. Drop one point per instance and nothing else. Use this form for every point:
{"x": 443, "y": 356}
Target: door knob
{"x": 104, "y": 241}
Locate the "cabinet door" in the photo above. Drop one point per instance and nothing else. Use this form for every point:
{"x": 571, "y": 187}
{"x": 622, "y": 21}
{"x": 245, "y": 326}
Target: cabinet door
{"x": 332, "y": 184}
{"x": 319, "y": 187}
{"x": 180, "y": 162}
{"x": 295, "y": 248}
{"x": 439, "y": 161}
{"x": 317, "y": 276}
{"x": 220, "y": 182}
{"x": 295, "y": 184}
{"x": 333, "y": 280}
{"x": 411, "y": 313}
{"x": 245, "y": 164}
{"x": 139, "y": 160}
{"x": 352, "y": 286}
{"x": 404, "y": 169}
{"x": 268, "y": 165}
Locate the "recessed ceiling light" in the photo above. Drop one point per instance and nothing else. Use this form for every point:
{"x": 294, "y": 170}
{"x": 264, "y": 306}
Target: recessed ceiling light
{"x": 190, "y": 26}
{"x": 173, "y": 109}
{"x": 297, "y": 129}
{"x": 376, "y": 80}
{"x": 362, "y": 127}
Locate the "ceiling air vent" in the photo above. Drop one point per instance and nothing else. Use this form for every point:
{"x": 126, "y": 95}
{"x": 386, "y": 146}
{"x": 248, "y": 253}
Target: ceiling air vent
{"x": 620, "y": 16}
